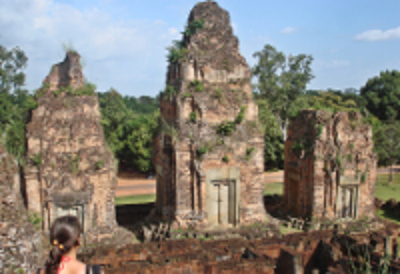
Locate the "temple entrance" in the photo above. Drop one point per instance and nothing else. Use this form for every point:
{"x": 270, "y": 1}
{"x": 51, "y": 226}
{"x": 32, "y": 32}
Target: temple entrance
{"x": 223, "y": 197}
{"x": 223, "y": 202}
{"x": 347, "y": 202}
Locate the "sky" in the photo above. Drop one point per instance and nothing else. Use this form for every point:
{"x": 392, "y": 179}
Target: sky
{"x": 123, "y": 42}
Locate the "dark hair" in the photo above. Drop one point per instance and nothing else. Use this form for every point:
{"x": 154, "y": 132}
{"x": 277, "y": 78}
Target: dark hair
{"x": 64, "y": 235}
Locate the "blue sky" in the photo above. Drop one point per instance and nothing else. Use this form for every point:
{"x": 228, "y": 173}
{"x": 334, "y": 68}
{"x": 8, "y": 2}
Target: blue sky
{"x": 123, "y": 42}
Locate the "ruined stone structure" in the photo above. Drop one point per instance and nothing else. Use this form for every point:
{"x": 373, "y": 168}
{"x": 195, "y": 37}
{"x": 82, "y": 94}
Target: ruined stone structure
{"x": 330, "y": 168}
{"x": 20, "y": 243}
{"x": 314, "y": 252}
{"x": 208, "y": 154}
{"x": 70, "y": 169}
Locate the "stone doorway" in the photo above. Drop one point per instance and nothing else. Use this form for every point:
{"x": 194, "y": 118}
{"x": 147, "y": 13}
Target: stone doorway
{"x": 347, "y": 202}
{"x": 223, "y": 198}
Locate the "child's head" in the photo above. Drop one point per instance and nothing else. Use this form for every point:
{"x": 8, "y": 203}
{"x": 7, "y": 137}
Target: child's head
{"x": 64, "y": 235}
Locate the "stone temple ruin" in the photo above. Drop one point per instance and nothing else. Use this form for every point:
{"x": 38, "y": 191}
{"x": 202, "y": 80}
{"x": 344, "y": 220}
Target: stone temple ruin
{"x": 70, "y": 169}
{"x": 20, "y": 244}
{"x": 330, "y": 169}
{"x": 208, "y": 154}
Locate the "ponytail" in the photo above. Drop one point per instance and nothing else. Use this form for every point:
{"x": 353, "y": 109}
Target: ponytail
{"x": 64, "y": 235}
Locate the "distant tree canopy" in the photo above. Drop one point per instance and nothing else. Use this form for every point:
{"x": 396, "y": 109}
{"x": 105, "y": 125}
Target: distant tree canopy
{"x": 15, "y": 102}
{"x": 281, "y": 79}
{"x": 382, "y": 95}
{"x": 129, "y": 124}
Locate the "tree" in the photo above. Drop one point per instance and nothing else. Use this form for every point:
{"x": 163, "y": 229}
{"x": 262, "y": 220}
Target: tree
{"x": 281, "y": 79}
{"x": 382, "y": 94}
{"x": 15, "y": 102}
{"x": 387, "y": 143}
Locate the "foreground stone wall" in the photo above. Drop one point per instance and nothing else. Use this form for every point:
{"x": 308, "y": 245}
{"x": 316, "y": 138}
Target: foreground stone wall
{"x": 208, "y": 154}
{"x": 20, "y": 243}
{"x": 70, "y": 169}
{"x": 330, "y": 168}
{"x": 322, "y": 251}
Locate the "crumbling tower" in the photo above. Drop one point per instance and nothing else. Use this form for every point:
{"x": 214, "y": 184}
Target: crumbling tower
{"x": 70, "y": 169}
{"x": 208, "y": 153}
{"x": 330, "y": 167}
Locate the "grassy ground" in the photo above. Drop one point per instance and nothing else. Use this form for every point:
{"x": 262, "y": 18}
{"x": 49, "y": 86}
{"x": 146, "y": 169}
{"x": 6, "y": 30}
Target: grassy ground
{"x": 384, "y": 191}
{"x": 134, "y": 200}
{"x": 273, "y": 188}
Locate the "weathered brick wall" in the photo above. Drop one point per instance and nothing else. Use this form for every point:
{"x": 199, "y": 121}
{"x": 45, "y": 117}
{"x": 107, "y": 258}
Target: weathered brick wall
{"x": 209, "y": 128}
{"x": 70, "y": 169}
{"x": 330, "y": 168}
{"x": 20, "y": 243}
{"x": 302, "y": 252}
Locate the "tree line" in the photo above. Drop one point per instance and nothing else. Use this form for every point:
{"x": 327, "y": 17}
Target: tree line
{"x": 280, "y": 91}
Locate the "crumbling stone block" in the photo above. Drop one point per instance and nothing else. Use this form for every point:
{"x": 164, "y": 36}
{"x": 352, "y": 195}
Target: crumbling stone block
{"x": 330, "y": 168}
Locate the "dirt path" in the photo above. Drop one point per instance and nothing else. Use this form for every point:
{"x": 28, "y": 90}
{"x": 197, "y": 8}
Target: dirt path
{"x": 133, "y": 183}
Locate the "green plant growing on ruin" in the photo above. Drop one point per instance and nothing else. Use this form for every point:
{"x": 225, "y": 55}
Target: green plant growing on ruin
{"x": 249, "y": 152}
{"x": 99, "y": 165}
{"x": 177, "y": 52}
{"x": 168, "y": 92}
{"x": 363, "y": 177}
{"x": 240, "y": 116}
{"x": 298, "y": 145}
{"x": 74, "y": 164}
{"x": 218, "y": 95}
{"x": 226, "y": 128}
{"x": 36, "y": 159}
{"x": 186, "y": 95}
{"x": 87, "y": 89}
{"x": 201, "y": 151}
{"x": 35, "y": 219}
{"x": 197, "y": 85}
{"x": 225, "y": 159}
{"x": 193, "y": 27}
{"x": 193, "y": 117}
{"x": 320, "y": 128}
{"x": 351, "y": 146}
{"x": 350, "y": 157}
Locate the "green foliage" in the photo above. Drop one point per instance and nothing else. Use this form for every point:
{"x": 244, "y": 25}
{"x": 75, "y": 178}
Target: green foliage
{"x": 129, "y": 124}
{"x": 193, "y": 27}
{"x": 187, "y": 95}
{"x": 281, "y": 79}
{"x": 240, "y": 116}
{"x": 35, "y": 219}
{"x": 36, "y": 159}
{"x": 363, "y": 177}
{"x": 168, "y": 93}
{"x": 333, "y": 102}
{"x": 320, "y": 128}
{"x": 350, "y": 157}
{"x": 218, "y": 95}
{"x": 387, "y": 142}
{"x": 202, "y": 150}
{"x": 99, "y": 165}
{"x": 382, "y": 95}
{"x": 196, "y": 85}
{"x": 15, "y": 102}
{"x": 193, "y": 117}
{"x": 226, "y": 128}
{"x": 249, "y": 152}
{"x": 177, "y": 52}
{"x": 225, "y": 159}
{"x": 86, "y": 89}
{"x": 274, "y": 146}
{"x": 74, "y": 164}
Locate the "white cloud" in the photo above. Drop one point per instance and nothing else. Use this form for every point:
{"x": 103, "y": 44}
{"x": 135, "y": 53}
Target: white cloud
{"x": 111, "y": 49}
{"x": 379, "y": 35}
{"x": 288, "y": 30}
